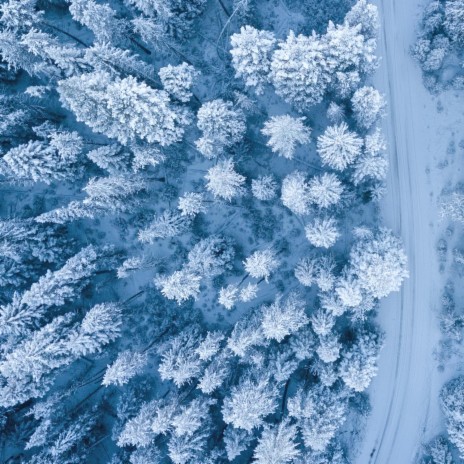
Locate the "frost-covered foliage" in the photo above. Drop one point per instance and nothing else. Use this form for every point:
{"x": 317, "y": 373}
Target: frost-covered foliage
{"x": 437, "y": 48}
{"x": 124, "y": 109}
{"x": 452, "y": 403}
{"x": 285, "y": 133}
{"x": 222, "y": 126}
{"x": 251, "y": 53}
{"x": 167, "y": 292}
{"x": 338, "y": 147}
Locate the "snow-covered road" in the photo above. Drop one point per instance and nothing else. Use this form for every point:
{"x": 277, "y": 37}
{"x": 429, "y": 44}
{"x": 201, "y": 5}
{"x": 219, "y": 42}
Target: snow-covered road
{"x": 404, "y": 395}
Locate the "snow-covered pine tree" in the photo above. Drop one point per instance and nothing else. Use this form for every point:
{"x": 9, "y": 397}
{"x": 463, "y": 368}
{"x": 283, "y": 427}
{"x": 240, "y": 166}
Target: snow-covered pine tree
{"x": 359, "y": 362}
{"x": 168, "y": 224}
{"x": 338, "y": 147}
{"x": 124, "y": 109}
{"x": 264, "y": 188}
{"x": 379, "y": 264}
{"x": 299, "y": 70}
{"x": 251, "y": 56}
{"x": 322, "y": 232}
{"x": 454, "y": 20}
{"x": 452, "y": 403}
{"x": 41, "y": 162}
{"x": 222, "y": 125}
{"x": 295, "y": 193}
{"x": 178, "y": 80}
{"x": 320, "y": 412}
{"x": 367, "y": 15}
{"x": 368, "y": 106}
{"x": 285, "y": 133}
{"x": 223, "y": 181}
{"x": 126, "y": 366}
{"x": 249, "y": 402}
{"x": 180, "y": 285}
{"x": 277, "y": 444}
{"x": 283, "y": 317}
{"x": 325, "y": 190}
{"x": 261, "y": 264}
{"x": 180, "y": 361}
{"x": 51, "y": 290}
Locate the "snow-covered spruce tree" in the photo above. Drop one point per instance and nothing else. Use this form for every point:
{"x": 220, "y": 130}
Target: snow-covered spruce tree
{"x": 335, "y": 113}
{"x": 111, "y": 158}
{"x": 285, "y": 133}
{"x": 320, "y": 412}
{"x": 338, "y": 147}
{"x": 192, "y": 203}
{"x": 251, "y": 56}
{"x": 168, "y": 224}
{"x": 295, "y": 193}
{"x": 100, "y": 19}
{"x": 211, "y": 256}
{"x": 180, "y": 285}
{"x": 19, "y": 15}
{"x": 372, "y": 164}
{"x": 454, "y": 20}
{"x": 175, "y": 17}
{"x": 223, "y": 181}
{"x": 261, "y": 264}
{"x": 452, "y": 207}
{"x": 117, "y": 61}
{"x": 379, "y": 263}
{"x": 322, "y": 232}
{"x": 222, "y": 125}
{"x": 179, "y": 359}
{"x": 247, "y": 332}
{"x": 43, "y": 162}
{"x": 178, "y": 80}
{"x": 368, "y": 106}
{"x": 349, "y": 57}
{"x": 51, "y": 290}
{"x": 299, "y": 70}
{"x": 348, "y": 291}
{"x": 29, "y": 367}
{"x": 359, "y": 362}
{"x": 124, "y": 109}
{"x": 277, "y": 444}
{"x": 264, "y": 188}
{"x": 367, "y": 15}
{"x": 452, "y": 403}
{"x": 329, "y": 348}
{"x": 283, "y": 317}
{"x": 24, "y": 248}
{"x": 126, "y": 366}
{"x": 249, "y": 402}
{"x": 324, "y": 190}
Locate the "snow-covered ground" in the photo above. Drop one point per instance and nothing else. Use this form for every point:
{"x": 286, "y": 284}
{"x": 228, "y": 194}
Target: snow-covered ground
{"x": 404, "y": 396}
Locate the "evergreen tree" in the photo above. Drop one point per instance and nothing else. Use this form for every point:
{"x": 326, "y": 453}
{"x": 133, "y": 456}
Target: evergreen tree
{"x": 359, "y": 362}
{"x": 368, "y": 106}
{"x": 452, "y": 403}
{"x": 264, "y": 188}
{"x": 124, "y": 109}
{"x": 454, "y": 19}
{"x": 299, "y": 71}
{"x": 322, "y": 232}
{"x": 222, "y": 125}
{"x": 223, "y": 181}
{"x": 325, "y": 190}
{"x": 261, "y": 264}
{"x": 127, "y": 365}
{"x": 285, "y": 133}
{"x": 251, "y": 56}
{"x": 338, "y": 147}
{"x": 249, "y": 402}
{"x": 283, "y": 317}
{"x": 295, "y": 193}
{"x": 277, "y": 445}
{"x": 178, "y": 80}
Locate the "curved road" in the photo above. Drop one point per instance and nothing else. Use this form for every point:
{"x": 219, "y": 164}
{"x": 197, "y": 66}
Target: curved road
{"x": 404, "y": 395}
